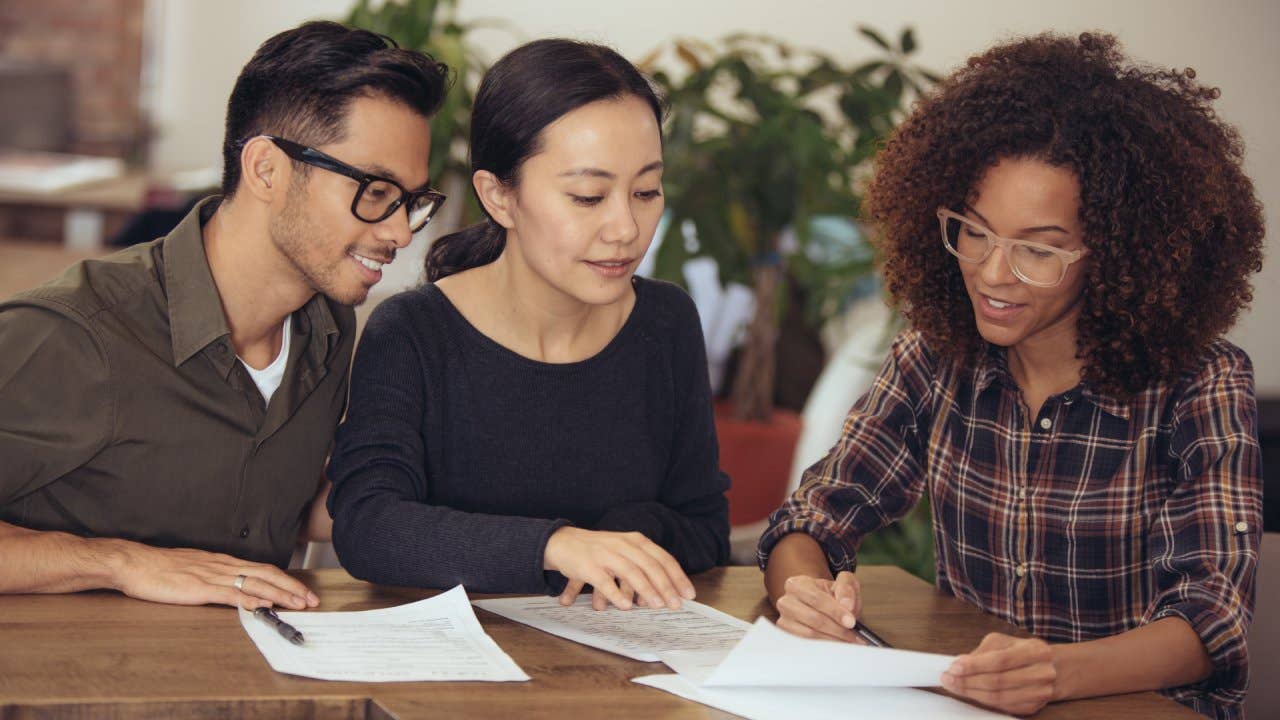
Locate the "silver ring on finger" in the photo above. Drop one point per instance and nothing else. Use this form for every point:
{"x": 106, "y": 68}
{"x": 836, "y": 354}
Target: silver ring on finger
{"x": 239, "y": 582}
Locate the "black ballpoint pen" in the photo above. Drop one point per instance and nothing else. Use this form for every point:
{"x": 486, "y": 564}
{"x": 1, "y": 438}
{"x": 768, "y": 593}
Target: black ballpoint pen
{"x": 287, "y": 631}
{"x": 871, "y": 638}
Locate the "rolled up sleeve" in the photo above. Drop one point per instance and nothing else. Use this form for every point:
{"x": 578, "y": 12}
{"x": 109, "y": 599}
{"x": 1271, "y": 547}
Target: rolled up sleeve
{"x": 1204, "y": 542}
{"x": 873, "y": 475}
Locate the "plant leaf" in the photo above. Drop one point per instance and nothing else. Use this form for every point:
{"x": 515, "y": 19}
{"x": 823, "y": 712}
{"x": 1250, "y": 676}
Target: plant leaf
{"x": 689, "y": 57}
{"x": 874, "y": 36}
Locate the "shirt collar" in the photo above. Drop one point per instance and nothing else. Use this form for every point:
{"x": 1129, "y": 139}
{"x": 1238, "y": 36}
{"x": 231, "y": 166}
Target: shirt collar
{"x": 993, "y": 366}
{"x": 1104, "y": 402}
{"x": 196, "y": 318}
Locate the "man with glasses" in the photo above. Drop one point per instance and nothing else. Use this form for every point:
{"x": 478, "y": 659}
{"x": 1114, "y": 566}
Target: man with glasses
{"x": 165, "y": 413}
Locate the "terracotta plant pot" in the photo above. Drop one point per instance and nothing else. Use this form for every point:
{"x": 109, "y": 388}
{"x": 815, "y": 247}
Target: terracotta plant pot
{"x": 757, "y": 456}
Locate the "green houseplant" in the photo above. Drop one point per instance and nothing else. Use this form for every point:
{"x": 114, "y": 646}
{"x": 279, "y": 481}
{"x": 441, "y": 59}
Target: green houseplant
{"x": 762, "y": 139}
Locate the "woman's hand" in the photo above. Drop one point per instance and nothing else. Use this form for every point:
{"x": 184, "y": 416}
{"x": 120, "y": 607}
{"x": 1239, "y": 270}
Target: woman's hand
{"x": 817, "y": 608}
{"x": 619, "y": 565}
{"x": 1015, "y": 675}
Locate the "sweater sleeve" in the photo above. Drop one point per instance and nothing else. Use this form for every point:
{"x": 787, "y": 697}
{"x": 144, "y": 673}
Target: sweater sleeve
{"x": 384, "y": 531}
{"x": 690, "y": 519}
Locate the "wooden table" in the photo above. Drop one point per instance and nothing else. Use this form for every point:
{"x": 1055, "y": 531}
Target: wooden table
{"x": 102, "y": 655}
{"x": 25, "y": 264}
{"x": 83, "y": 217}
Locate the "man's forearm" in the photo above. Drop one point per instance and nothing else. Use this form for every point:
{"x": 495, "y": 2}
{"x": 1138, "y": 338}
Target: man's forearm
{"x": 54, "y": 562}
{"x": 795, "y": 554}
{"x": 1166, "y": 653}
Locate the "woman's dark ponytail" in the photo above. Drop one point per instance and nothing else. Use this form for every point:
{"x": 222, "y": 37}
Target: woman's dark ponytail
{"x": 524, "y": 92}
{"x": 472, "y": 246}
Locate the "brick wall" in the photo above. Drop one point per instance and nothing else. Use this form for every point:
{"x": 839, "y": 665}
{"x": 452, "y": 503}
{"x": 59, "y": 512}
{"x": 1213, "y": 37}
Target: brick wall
{"x": 100, "y": 44}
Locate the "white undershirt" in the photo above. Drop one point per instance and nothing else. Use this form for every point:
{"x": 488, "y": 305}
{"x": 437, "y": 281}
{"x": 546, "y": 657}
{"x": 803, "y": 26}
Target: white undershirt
{"x": 268, "y": 379}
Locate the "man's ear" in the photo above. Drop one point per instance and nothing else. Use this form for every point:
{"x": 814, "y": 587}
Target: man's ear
{"x": 497, "y": 198}
{"x": 264, "y": 169}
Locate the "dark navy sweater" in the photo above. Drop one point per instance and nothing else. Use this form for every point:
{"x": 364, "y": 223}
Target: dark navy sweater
{"x": 458, "y": 458}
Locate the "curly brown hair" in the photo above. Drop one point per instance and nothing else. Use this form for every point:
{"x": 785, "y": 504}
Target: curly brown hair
{"x": 1172, "y": 224}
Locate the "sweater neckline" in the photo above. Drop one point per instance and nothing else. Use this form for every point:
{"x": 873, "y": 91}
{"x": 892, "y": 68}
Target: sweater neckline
{"x": 628, "y": 327}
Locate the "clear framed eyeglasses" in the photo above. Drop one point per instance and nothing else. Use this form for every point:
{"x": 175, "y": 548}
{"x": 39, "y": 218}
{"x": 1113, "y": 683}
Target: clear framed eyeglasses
{"x": 1033, "y": 263}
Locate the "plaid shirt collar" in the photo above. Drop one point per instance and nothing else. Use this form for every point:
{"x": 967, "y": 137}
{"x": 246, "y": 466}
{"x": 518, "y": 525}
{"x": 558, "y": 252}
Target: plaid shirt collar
{"x": 993, "y": 366}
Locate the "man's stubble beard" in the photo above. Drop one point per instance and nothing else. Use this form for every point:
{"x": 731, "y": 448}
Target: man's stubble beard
{"x": 301, "y": 241}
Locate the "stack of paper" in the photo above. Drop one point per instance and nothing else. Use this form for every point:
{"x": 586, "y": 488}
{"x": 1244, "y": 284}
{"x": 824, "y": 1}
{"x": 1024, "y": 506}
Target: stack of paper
{"x": 41, "y": 172}
{"x": 434, "y": 639}
{"x": 772, "y": 675}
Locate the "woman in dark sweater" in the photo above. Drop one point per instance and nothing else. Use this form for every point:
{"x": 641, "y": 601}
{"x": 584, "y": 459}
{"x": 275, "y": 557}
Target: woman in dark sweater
{"x": 535, "y": 418}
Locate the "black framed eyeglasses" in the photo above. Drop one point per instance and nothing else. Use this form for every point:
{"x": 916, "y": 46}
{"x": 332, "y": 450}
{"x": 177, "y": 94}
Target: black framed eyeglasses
{"x": 377, "y": 197}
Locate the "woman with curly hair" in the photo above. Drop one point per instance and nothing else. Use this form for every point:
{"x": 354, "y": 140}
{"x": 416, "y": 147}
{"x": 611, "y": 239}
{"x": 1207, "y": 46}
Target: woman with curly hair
{"x": 1069, "y": 236}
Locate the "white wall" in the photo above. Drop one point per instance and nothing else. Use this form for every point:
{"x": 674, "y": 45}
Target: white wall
{"x": 1231, "y": 45}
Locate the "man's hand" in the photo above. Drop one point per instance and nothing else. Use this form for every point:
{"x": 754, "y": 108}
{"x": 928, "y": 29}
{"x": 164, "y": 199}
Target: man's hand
{"x": 196, "y": 577}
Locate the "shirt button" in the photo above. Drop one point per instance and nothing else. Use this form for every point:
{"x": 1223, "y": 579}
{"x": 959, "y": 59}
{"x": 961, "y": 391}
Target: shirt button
{"x": 1046, "y": 423}
{"x": 1242, "y": 527}
{"x": 244, "y": 532}
{"x": 1021, "y": 570}
{"x": 1022, "y": 493}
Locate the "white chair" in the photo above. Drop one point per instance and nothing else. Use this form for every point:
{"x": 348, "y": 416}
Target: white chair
{"x": 846, "y": 377}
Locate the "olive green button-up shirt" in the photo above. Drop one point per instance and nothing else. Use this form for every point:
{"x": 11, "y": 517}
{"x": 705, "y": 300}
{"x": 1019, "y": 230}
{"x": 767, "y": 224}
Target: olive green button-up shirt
{"x": 124, "y": 411}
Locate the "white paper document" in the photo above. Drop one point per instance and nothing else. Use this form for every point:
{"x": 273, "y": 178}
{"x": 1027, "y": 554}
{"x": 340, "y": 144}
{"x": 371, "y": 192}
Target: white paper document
{"x": 779, "y": 688}
{"x": 863, "y": 703}
{"x": 769, "y": 656}
{"x": 434, "y": 639}
{"x": 638, "y": 633}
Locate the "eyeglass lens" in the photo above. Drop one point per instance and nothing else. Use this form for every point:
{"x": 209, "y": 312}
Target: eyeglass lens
{"x": 973, "y": 243}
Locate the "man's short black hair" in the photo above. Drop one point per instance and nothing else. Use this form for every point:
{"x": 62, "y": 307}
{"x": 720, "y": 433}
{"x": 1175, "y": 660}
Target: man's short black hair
{"x": 300, "y": 84}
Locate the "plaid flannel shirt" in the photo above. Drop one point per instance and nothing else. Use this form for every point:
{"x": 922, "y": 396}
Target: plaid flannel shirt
{"x": 1090, "y": 519}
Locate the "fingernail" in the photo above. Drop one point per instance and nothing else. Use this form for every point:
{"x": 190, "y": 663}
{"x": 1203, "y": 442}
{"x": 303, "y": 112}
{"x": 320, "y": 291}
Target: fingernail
{"x": 849, "y": 621}
{"x": 948, "y": 681}
{"x": 957, "y": 668}
{"x": 688, "y": 593}
{"x": 674, "y": 603}
{"x": 313, "y": 598}
{"x": 656, "y": 602}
